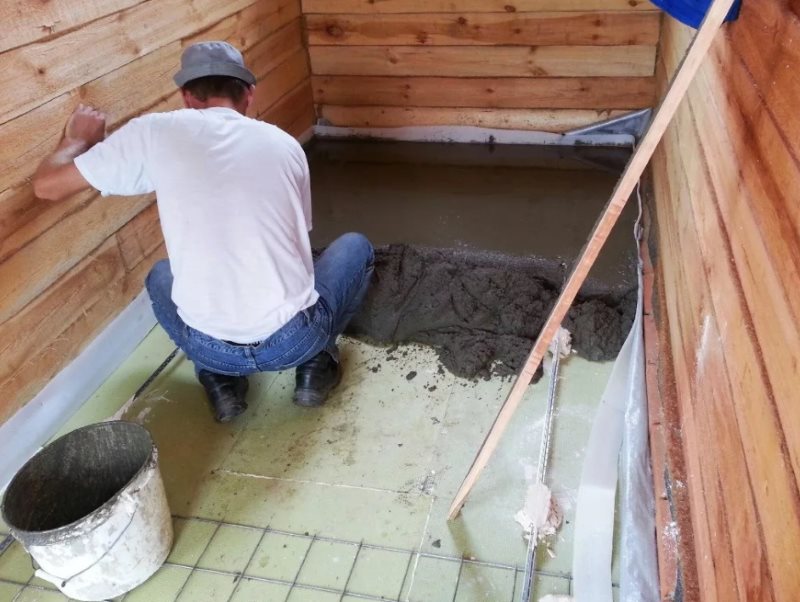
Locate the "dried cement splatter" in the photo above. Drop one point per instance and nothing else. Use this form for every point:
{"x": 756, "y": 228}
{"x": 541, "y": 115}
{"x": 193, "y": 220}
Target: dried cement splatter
{"x": 483, "y": 311}
{"x": 540, "y": 512}
{"x": 562, "y": 341}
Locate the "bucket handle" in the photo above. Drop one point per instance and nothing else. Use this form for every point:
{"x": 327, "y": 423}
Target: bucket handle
{"x": 62, "y": 582}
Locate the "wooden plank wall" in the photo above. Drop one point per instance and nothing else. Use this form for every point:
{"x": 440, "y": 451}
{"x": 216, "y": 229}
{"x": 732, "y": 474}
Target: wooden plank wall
{"x": 726, "y": 182}
{"x": 549, "y": 65}
{"x": 67, "y": 268}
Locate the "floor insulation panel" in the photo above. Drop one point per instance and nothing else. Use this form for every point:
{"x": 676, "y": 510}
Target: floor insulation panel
{"x": 347, "y": 501}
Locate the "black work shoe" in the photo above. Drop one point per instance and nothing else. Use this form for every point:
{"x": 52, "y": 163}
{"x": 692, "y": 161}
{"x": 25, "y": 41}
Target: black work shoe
{"x": 315, "y": 379}
{"x": 225, "y": 393}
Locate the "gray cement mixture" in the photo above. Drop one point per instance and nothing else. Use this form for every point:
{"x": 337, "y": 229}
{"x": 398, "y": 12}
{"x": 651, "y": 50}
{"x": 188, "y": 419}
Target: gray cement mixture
{"x": 482, "y": 312}
{"x": 475, "y": 242}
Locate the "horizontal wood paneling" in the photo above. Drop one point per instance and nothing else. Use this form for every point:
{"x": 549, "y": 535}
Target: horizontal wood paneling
{"x": 729, "y": 246}
{"x": 503, "y": 93}
{"x": 501, "y": 61}
{"x": 35, "y": 73}
{"x": 67, "y": 268}
{"x": 527, "y": 29}
{"x": 282, "y": 80}
{"x": 474, "y": 6}
{"x": 294, "y": 112}
{"x": 547, "y": 58}
{"x": 38, "y": 341}
{"x": 543, "y": 120}
{"x": 23, "y": 21}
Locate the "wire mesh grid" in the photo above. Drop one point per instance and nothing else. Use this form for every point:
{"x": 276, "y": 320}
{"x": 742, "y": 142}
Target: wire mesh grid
{"x": 450, "y": 571}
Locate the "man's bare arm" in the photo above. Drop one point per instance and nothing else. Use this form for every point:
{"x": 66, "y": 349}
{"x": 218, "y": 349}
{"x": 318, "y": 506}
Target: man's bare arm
{"x": 57, "y": 177}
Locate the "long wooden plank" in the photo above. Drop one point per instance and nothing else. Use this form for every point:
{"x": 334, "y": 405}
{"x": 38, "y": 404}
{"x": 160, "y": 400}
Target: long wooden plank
{"x": 501, "y": 61}
{"x": 32, "y": 75}
{"x": 530, "y": 29}
{"x": 542, "y": 120}
{"x": 499, "y": 93}
{"x": 633, "y": 172}
{"x": 25, "y": 21}
{"x": 457, "y": 6}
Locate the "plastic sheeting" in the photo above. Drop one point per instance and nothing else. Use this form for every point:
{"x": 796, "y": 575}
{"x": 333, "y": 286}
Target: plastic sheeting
{"x": 618, "y": 448}
{"x": 692, "y": 12}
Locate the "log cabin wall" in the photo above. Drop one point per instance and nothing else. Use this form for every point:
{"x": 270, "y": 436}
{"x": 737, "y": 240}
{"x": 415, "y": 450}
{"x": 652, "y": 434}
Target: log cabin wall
{"x": 549, "y": 65}
{"x": 726, "y": 182}
{"x": 66, "y": 269}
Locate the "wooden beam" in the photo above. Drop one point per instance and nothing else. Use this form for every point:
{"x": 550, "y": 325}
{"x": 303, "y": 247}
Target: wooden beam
{"x": 457, "y": 6}
{"x": 499, "y": 93}
{"x": 633, "y": 172}
{"x": 528, "y": 29}
{"x": 499, "y": 61}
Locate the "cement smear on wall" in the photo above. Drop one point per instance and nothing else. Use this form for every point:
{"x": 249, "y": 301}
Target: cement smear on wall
{"x": 482, "y": 311}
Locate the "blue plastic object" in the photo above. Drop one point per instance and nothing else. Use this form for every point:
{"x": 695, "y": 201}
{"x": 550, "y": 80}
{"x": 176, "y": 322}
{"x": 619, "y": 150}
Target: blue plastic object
{"x": 691, "y": 12}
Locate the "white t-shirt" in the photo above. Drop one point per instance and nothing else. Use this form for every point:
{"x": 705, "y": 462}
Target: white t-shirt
{"x": 234, "y": 198}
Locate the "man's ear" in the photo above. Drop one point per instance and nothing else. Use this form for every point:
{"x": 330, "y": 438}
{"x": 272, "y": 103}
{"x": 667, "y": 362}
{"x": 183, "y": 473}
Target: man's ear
{"x": 248, "y": 98}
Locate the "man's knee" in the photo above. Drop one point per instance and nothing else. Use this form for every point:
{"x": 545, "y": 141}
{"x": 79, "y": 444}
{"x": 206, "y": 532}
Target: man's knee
{"x": 359, "y": 245}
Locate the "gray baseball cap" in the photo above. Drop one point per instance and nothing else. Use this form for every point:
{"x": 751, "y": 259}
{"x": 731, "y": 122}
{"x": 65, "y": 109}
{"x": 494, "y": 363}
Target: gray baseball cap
{"x": 212, "y": 58}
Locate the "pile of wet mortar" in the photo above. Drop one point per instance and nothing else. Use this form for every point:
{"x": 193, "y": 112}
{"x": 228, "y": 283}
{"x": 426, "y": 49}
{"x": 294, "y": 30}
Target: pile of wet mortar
{"x": 481, "y": 311}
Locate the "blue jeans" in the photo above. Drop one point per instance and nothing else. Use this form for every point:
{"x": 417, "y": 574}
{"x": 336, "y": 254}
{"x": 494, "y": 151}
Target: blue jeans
{"x": 341, "y": 275}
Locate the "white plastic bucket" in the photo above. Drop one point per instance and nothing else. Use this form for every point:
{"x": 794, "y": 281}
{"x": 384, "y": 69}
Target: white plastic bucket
{"x": 91, "y": 510}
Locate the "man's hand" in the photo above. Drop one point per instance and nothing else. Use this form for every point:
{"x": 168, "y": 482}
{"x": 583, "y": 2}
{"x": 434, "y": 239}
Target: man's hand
{"x": 57, "y": 177}
{"x": 86, "y": 126}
